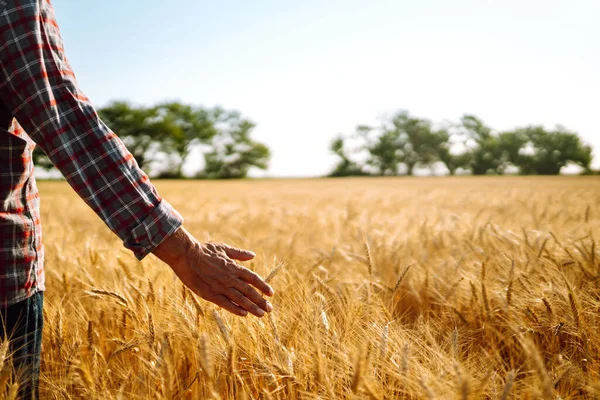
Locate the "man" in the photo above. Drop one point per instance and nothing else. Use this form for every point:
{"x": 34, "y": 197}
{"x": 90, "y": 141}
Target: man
{"x": 41, "y": 103}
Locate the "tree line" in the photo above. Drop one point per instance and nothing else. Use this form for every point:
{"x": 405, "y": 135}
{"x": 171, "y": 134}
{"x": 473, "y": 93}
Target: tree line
{"x": 404, "y": 142}
{"x": 164, "y": 137}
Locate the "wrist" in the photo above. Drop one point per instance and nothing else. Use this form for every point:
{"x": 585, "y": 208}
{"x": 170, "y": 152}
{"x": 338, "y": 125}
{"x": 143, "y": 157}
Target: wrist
{"x": 174, "y": 247}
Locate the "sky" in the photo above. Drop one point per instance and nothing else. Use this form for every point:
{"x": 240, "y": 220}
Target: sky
{"x": 305, "y": 71}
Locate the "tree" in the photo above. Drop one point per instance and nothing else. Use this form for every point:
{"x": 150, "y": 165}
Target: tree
{"x": 451, "y": 158}
{"x": 188, "y": 126}
{"x": 552, "y": 150}
{"x": 402, "y": 139}
{"x": 233, "y": 152}
{"x": 415, "y": 142}
{"x": 345, "y": 167}
{"x": 486, "y": 153}
{"x": 475, "y": 128}
{"x": 511, "y": 145}
{"x": 382, "y": 149}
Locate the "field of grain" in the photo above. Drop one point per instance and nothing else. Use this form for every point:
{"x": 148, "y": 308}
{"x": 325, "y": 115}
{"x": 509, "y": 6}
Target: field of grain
{"x": 431, "y": 288}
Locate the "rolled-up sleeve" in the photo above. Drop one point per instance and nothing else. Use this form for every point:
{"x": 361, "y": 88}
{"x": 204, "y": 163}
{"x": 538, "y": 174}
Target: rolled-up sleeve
{"x": 159, "y": 224}
{"x": 41, "y": 91}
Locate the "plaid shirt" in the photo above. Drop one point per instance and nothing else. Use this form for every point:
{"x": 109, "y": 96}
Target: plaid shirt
{"x": 39, "y": 89}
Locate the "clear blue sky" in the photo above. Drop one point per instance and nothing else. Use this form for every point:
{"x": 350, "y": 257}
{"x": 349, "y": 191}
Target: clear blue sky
{"x": 307, "y": 70}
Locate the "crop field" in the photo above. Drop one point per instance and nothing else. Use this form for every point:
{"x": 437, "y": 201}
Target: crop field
{"x": 415, "y": 288}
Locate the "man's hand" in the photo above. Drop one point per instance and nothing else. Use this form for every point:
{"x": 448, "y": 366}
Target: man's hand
{"x": 210, "y": 272}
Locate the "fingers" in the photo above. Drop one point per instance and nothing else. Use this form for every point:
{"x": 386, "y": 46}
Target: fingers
{"x": 249, "y": 292}
{"x": 226, "y": 304}
{"x": 238, "y": 298}
{"x": 237, "y": 254}
{"x": 245, "y": 274}
{"x": 233, "y": 282}
{"x": 255, "y": 280}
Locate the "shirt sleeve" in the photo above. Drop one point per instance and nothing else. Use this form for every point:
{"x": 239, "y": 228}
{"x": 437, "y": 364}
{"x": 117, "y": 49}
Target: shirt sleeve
{"x": 41, "y": 91}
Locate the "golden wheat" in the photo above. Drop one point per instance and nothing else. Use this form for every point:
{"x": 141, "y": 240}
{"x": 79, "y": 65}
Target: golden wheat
{"x": 385, "y": 288}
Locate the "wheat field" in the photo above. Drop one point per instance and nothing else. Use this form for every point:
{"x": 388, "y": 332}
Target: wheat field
{"x": 405, "y": 288}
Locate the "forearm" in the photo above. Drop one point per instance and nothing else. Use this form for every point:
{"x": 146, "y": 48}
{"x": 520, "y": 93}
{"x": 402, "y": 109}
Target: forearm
{"x": 41, "y": 92}
{"x": 102, "y": 171}
{"x": 105, "y": 175}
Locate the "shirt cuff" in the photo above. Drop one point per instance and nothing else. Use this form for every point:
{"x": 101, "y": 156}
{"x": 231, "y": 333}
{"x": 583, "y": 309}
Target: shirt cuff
{"x": 161, "y": 223}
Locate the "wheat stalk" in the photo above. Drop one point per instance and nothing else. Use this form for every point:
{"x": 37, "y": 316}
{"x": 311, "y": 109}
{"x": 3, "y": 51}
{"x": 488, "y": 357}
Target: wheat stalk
{"x": 4, "y": 365}
{"x": 509, "y": 289}
{"x": 574, "y": 308}
{"x": 98, "y": 292}
{"x": 510, "y": 379}
{"x": 356, "y": 376}
{"x": 574, "y": 303}
{"x": 401, "y": 278}
{"x": 384, "y": 342}
{"x": 151, "y": 330}
{"x": 222, "y": 327}
{"x": 205, "y": 360}
{"x": 538, "y": 364}
{"x": 405, "y": 358}
{"x": 370, "y": 263}
{"x": 274, "y": 272}
{"x": 549, "y": 311}
{"x": 428, "y": 393}
{"x": 13, "y": 391}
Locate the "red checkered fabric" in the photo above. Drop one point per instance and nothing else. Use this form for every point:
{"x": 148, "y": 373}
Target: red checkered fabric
{"x": 39, "y": 89}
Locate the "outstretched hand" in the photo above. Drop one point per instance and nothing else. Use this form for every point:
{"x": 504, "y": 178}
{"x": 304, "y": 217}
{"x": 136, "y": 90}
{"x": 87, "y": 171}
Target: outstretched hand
{"x": 209, "y": 270}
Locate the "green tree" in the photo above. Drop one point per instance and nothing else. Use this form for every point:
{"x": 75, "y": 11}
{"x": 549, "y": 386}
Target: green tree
{"x": 345, "y": 167}
{"x": 511, "y": 145}
{"x": 452, "y": 159}
{"x": 402, "y": 139}
{"x": 233, "y": 152}
{"x": 486, "y": 154}
{"x": 475, "y": 128}
{"x": 382, "y": 149}
{"x": 552, "y": 150}
{"x": 415, "y": 142}
{"x": 186, "y": 127}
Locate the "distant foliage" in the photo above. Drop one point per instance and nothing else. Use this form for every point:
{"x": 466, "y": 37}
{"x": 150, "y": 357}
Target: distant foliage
{"x": 233, "y": 151}
{"x": 404, "y": 142}
{"x": 170, "y": 134}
